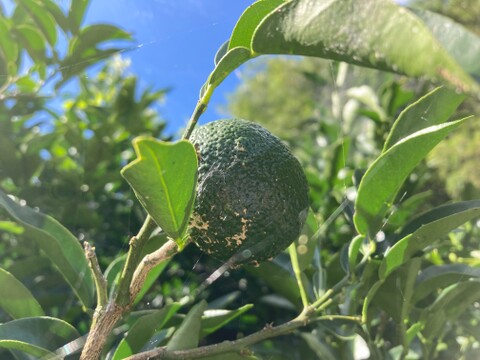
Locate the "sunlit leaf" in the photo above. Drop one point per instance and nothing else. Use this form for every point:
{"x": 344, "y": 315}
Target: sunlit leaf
{"x": 307, "y": 243}
{"x": 346, "y": 30}
{"x": 432, "y": 109}
{"x": 42, "y": 18}
{"x": 143, "y": 329}
{"x": 37, "y": 336}
{"x": 63, "y": 249}
{"x": 424, "y": 230}
{"x": 15, "y": 299}
{"x": 383, "y": 179}
{"x": 213, "y": 319}
{"x": 188, "y": 333}
{"x": 164, "y": 178}
{"x": 33, "y": 40}
{"x": 76, "y": 14}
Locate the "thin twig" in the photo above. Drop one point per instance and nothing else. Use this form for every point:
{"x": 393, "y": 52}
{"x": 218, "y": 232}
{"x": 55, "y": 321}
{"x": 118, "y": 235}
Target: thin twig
{"x": 99, "y": 279}
{"x": 292, "y": 249}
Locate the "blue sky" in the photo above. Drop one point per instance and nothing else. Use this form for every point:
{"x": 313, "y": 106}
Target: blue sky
{"x": 177, "y": 42}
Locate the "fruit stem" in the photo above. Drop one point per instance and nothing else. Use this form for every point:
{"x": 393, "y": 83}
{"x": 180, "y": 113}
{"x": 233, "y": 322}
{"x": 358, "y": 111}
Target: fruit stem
{"x": 292, "y": 249}
{"x": 198, "y": 111}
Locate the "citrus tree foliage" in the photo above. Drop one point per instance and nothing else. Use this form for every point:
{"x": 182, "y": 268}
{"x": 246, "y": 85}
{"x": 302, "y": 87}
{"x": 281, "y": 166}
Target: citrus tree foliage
{"x": 383, "y": 266}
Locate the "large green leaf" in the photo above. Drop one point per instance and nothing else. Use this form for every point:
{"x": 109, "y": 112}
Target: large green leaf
{"x": 142, "y": 331}
{"x": 372, "y": 33}
{"x": 425, "y": 230}
{"x": 164, "y": 179}
{"x": 432, "y": 109}
{"x": 188, "y": 333}
{"x": 76, "y": 14}
{"x": 383, "y": 179}
{"x": 37, "y": 336}
{"x": 214, "y": 319}
{"x": 63, "y": 249}
{"x": 461, "y": 44}
{"x": 42, "y": 18}
{"x": 15, "y": 299}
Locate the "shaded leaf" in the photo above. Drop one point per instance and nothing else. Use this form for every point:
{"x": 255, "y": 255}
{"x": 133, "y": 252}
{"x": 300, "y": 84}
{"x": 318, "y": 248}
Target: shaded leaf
{"x": 8, "y": 46}
{"x": 37, "y": 336}
{"x": 32, "y": 40}
{"x": 383, "y": 179}
{"x": 63, "y": 249}
{"x": 164, "y": 179}
{"x": 432, "y": 109}
{"x": 76, "y": 14}
{"x": 426, "y": 229}
{"x": 16, "y": 299}
{"x": 221, "y": 52}
{"x": 57, "y": 14}
{"x": 188, "y": 333}
{"x": 143, "y": 329}
{"x": 213, "y": 319}
{"x": 42, "y": 18}
{"x": 345, "y": 30}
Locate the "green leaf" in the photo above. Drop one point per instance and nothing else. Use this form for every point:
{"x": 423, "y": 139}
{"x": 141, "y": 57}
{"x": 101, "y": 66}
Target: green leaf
{"x": 462, "y": 44}
{"x": 383, "y": 179}
{"x": 92, "y": 35}
{"x": 353, "y": 251}
{"x": 441, "y": 276}
{"x": 427, "y": 228}
{"x": 76, "y": 14}
{"x": 432, "y": 109}
{"x": 143, "y": 329}
{"x": 11, "y": 227}
{"x": 32, "y": 40}
{"x": 221, "y": 52}
{"x": 8, "y": 46}
{"x": 307, "y": 242}
{"x": 213, "y": 319}
{"x": 16, "y": 299}
{"x": 345, "y": 30}
{"x": 37, "y": 336}
{"x": 63, "y": 249}
{"x": 164, "y": 178}
{"x": 42, "y": 18}
{"x": 57, "y": 14}
{"x": 247, "y": 23}
{"x": 188, "y": 333}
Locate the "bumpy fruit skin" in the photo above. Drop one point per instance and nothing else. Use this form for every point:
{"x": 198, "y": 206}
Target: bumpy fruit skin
{"x": 252, "y": 195}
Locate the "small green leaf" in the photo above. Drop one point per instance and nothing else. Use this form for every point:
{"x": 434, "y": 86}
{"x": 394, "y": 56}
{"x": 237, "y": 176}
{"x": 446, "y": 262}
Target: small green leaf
{"x": 164, "y": 179}
{"x": 16, "y": 299}
{"x": 247, "y": 23}
{"x": 353, "y": 251}
{"x": 11, "y": 227}
{"x": 42, "y": 18}
{"x": 345, "y": 30}
{"x": 8, "y": 46}
{"x": 37, "y": 336}
{"x": 383, "y": 179}
{"x": 92, "y": 35}
{"x": 221, "y": 52}
{"x": 423, "y": 231}
{"x": 63, "y": 249}
{"x": 32, "y": 40}
{"x": 57, "y": 14}
{"x": 432, "y": 109}
{"x": 213, "y": 320}
{"x": 188, "y": 333}
{"x": 441, "y": 276}
{"x": 143, "y": 329}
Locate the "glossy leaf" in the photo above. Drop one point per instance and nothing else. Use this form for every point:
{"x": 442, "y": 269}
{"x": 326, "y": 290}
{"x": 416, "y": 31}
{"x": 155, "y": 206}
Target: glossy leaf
{"x": 15, "y": 299}
{"x": 345, "y": 30}
{"x": 63, "y": 249}
{"x": 143, "y": 329}
{"x": 164, "y": 179}
{"x": 213, "y": 319}
{"x": 43, "y": 19}
{"x": 383, "y": 179}
{"x": 424, "y": 230}
{"x": 188, "y": 333}
{"x": 247, "y": 23}
{"x": 462, "y": 44}
{"x": 432, "y": 109}
{"x": 441, "y": 276}
{"x": 37, "y": 336}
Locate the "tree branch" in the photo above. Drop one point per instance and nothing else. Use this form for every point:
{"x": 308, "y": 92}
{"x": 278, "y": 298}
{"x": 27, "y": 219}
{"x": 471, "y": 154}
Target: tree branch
{"x": 99, "y": 279}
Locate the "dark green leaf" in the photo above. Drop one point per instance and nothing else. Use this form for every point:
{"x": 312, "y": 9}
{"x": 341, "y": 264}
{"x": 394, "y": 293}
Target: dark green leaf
{"x": 76, "y": 14}
{"x": 460, "y": 43}
{"x": 42, "y": 18}
{"x": 142, "y": 331}
{"x": 247, "y": 23}
{"x": 441, "y": 276}
{"x": 63, "y": 249}
{"x": 432, "y": 109}
{"x": 15, "y": 299}
{"x": 424, "y": 230}
{"x": 188, "y": 334}
{"x": 383, "y": 179}
{"x": 164, "y": 178}
{"x": 213, "y": 320}
{"x": 345, "y": 30}
{"x": 38, "y": 336}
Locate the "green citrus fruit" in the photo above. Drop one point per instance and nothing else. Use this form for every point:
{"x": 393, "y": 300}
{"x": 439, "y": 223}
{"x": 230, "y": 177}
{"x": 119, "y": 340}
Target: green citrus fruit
{"x": 252, "y": 195}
